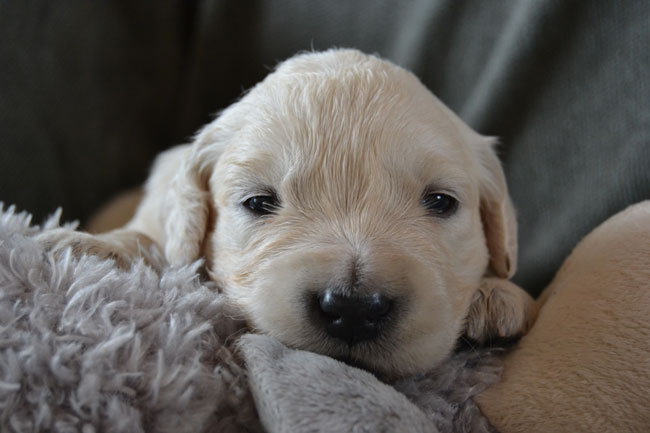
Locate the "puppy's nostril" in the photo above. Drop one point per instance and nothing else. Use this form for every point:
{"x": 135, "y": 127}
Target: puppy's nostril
{"x": 377, "y": 306}
{"x": 334, "y": 306}
{"x": 353, "y": 318}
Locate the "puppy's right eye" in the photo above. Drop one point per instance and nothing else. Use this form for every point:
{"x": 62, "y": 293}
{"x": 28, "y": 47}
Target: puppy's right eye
{"x": 261, "y": 205}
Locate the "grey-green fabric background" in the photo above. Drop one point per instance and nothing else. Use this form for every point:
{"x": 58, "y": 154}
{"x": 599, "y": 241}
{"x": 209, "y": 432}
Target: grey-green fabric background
{"x": 91, "y": 91}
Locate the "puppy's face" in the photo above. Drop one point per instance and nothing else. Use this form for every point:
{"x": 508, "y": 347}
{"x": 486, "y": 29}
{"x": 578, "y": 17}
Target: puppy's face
{"x": 346, "y": 211}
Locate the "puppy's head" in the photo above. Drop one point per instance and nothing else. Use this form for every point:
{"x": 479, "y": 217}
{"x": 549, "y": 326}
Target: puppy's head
{"x": 346, "y": 210}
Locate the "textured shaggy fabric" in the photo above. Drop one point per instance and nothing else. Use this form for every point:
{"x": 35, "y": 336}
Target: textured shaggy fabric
{"x": 87, "y": 347}
{"x": 301, "y": 392}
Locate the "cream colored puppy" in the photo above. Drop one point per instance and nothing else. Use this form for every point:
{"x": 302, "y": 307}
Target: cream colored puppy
{"x": 585, "y": 365}
{"x": 345, "y": 210}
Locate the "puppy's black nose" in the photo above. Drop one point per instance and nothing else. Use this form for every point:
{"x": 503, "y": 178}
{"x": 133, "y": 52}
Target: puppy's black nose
{"x": 354, "y": 318}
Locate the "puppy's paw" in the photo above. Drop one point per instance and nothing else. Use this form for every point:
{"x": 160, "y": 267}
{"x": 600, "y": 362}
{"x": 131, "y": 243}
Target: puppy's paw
{"x": 499, "y": 310}
{"x": 123, "y": 249}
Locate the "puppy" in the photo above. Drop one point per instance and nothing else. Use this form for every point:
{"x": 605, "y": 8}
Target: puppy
{"x": 585, "y": 365}
{"x": 345, "y": 210}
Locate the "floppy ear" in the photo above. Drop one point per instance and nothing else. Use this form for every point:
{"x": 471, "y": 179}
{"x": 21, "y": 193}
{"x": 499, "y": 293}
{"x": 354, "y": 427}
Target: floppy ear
{"x": 188, "y": 198}
{"x": 497, "y": 212}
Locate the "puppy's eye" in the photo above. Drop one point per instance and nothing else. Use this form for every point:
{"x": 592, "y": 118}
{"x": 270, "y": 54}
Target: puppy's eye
{"x": 262, "y": 204}
{"x": 439, "y": 204}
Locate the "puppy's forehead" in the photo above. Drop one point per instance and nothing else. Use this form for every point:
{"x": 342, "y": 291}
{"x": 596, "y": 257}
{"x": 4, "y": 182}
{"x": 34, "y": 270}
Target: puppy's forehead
{"x": 348, "y": 121}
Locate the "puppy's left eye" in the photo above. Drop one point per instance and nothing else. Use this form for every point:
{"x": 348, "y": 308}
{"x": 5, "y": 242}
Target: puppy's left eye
{"x": 439, "y": 204}
{"x": 262, "y": 204}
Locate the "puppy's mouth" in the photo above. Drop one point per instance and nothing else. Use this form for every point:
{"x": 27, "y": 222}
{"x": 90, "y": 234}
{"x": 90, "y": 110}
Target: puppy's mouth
{"x": 352, "y": 362}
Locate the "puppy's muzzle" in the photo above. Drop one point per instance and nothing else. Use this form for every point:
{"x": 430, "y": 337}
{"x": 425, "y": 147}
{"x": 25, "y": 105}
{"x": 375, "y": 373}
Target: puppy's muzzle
{"x": 353, "y": 318}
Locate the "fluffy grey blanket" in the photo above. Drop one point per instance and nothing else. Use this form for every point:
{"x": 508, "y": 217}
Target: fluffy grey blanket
{"x": 87, "y": 347}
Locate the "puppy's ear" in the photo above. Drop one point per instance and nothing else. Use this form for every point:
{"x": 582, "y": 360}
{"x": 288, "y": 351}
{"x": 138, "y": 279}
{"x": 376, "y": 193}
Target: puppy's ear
{"x": 497, "y": 212}
{"x": 189, "y": 198}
